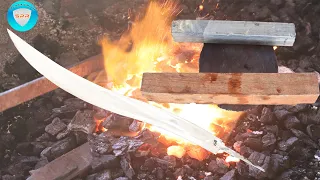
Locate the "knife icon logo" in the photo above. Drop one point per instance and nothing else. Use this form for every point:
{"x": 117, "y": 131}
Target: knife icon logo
{"x": 122, "y": 105}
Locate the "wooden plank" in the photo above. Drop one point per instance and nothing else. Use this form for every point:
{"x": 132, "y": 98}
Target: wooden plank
{"x": 231, "y": 88}
{"x": 234, "y": 32}
{"x": 40, "y": 86}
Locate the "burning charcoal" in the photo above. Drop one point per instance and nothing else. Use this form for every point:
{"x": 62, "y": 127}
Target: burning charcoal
{"x": 183, "y": 171}
{"x": 314, "y": 131}
{"x": 148, "y": 137}
{"x": 260, "y": 160}
{"x": 71, "y": 105}
{"x": 268, "y": 140}
{"x": 83, "y": 121}
{"x": 237, "y": 145}
{"x": 291, "y": 122}
{"x": 143, "y": 150}
{"x": 59, "y": 148}
{"x": 306, "y": 139}
{"x": 42, "y": 162}
{"x": 231, "y": 175}
{"x": 266, "y": 116}
{"x": 135, "y": 126}
{"x": 287, "y": 145}
{"x": 126, "y": 144}
{"x": 125, "y": 163}
{"x": 254, "y": 143}
{"x": 101, "y": 144}
{"x": 279, "y": 163}
{"x": 218, "y": 166}
{"x": 197, "y": 153}
{"x": 55, "y": 127}
{"x": 104, "y": 162}
{"x": 115, "y": 121}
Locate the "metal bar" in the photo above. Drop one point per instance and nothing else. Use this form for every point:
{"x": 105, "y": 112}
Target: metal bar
{"x": 234, "y": 32}
{"x": 40, "y": 86}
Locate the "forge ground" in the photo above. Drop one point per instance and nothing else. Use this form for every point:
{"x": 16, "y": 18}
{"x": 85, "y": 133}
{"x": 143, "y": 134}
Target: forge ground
{"x": 284, "y": 140}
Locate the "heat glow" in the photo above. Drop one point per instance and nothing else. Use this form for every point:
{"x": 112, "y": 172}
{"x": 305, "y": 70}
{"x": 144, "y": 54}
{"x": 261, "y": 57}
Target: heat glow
{"x": 148, "y": 47}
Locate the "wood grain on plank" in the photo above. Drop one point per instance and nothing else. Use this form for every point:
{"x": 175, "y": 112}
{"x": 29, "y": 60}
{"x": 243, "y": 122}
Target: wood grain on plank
{"x": 231, "y": 88}
{"x": 234, "y": 32}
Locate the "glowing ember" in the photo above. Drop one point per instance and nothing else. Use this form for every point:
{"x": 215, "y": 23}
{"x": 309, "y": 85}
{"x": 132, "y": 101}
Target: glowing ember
{"x": 177, "y": 151}
{"x": 201, "y": 7}
{"x": 149, "y": 47}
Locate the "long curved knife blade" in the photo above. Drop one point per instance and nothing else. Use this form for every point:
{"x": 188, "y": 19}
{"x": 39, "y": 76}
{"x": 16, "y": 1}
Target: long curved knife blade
{"x": 125, "y": 106}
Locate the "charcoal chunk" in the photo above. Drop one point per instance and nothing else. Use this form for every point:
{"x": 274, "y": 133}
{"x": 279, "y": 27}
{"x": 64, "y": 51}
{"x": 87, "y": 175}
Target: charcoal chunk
{"x": 281, "y": 114}
{"x": 14, "y": 177}
{"x": 287, "y": 145}
{"x": 184, "y": 171}
{"x": 101, "y": 144}
{"x": 291, "y": 122}
{"x": 314, "y": 131}
{"x": 59, "y": 148}
{"x": 305, "y": 138}
{"x": 125, "y": 163}
{"x": 231, "y": 175}
{"x": 254, "y": 143}
{"x": 104, "y": 162}
{"x": 262, "y": 161}
{"x": 279, "y": 163}
{"x": 115, "y": 121}
{"x": 42, "y": 162}
{"x": 218, "y": 166}
{"x": 266, "y": 116}
{"x": 268, "y": 140}
{"x": 55, "y": 127}
{"x": 71, "y": 105}
{"x": 126, "y": 144}
{"x": 83, "y": 121}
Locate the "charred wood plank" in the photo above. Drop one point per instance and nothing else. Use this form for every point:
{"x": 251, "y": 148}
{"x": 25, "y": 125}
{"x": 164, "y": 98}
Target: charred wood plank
{"x": 234, "y": 32}
{"x": 67, "y": 166}
{"x": 231, "y": 88}
{"x": 40, "y": 86}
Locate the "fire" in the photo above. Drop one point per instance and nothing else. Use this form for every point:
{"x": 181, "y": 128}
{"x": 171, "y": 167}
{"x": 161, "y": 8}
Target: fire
{"x": 149, "y": 47}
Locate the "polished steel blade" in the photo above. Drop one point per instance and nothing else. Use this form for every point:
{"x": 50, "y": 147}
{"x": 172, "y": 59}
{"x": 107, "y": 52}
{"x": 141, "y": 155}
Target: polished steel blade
{"x": 117, "y": 103}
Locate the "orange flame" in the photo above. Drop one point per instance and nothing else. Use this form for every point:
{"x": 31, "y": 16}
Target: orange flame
{"x": 149, "y": 47}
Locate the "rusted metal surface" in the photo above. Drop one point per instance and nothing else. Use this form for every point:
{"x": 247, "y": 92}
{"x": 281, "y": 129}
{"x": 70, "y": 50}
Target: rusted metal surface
{"x": 40, "y": 86}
